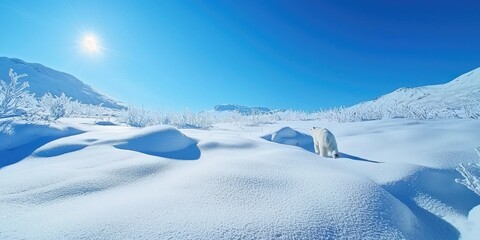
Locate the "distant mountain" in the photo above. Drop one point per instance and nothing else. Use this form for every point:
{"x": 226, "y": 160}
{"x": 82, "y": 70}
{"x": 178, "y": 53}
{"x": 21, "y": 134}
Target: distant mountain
{"x": 455, "y": 96}
{"x": 46, "y": 80}
{"x": 242, "y": 109}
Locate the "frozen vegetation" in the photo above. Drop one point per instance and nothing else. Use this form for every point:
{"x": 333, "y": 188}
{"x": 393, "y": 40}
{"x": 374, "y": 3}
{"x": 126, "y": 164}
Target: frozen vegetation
{"x": 458, "y": 99}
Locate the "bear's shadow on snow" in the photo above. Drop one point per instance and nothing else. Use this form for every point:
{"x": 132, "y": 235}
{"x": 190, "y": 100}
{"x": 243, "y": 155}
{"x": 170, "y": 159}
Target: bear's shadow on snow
{"x": 289, "y": 136}
{"x": 355, "y": 158}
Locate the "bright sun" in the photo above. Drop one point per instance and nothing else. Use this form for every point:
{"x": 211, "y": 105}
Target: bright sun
{"x": 90, "y": 44}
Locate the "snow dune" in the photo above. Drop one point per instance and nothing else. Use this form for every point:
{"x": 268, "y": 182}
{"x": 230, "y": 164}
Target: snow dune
{"x": 394, "y": 180}
{"x": 288, "y": 136}
{"x": 17, "y": 145}
{"x": 163, "y": 142}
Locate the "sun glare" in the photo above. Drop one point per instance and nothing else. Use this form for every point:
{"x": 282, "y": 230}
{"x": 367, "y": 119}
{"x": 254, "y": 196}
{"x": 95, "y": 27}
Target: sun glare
{"x": 90, "y": 44}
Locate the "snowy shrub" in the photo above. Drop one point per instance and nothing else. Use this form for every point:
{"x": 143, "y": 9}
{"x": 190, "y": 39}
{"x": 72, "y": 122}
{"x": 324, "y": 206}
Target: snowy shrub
{"x": 471, "y": 175}
{"x": 55, "y": 107}
{"x": 139, "y": 117}
{"x": 136, "y": 117}
{"x": 472, "y": 111}
{"x": 14, "y": 97}
{"x": 366, "y": 112}
{"x": 189, "y": 119}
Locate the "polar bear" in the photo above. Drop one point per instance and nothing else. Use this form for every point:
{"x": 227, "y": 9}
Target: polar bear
{"x": 324, "y": 142}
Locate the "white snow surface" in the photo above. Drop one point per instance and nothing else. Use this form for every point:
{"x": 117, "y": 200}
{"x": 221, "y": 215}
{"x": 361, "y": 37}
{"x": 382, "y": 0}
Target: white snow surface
{"x": 46, "y": 80}
{"x": 395, "y": 179}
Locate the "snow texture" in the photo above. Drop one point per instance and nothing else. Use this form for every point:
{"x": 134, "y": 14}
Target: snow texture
{"x": 395, "y": 180}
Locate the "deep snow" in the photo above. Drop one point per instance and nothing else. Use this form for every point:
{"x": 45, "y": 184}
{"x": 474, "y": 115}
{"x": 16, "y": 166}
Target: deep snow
{"x": 395, "y": 179}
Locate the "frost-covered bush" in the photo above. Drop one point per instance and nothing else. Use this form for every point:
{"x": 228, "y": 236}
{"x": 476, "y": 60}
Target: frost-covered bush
{"x": 56, "y": 106}
{"x": 136, "y": 117}
{"x": 14, "y": 96}
{"x": 472, "y": 111}
{"x": 15, "y": 100}
{"x": 139, "y": 117}
{"x": 366, "y": 112}
{"x": 471, "y": 175}
{"x": 190, "y": 119}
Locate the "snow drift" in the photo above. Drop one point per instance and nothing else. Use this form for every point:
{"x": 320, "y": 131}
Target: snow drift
{"x": 161, "y": 141}
{"x": 117, "y": 181}
{"x": 22, "y": 139}
{"x": 288, "y": 136}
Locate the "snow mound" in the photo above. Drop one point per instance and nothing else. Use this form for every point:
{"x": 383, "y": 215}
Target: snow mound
{"x": 23, "y": 139}
{"x": 288, "y": 136}
{"x": 162, "y": 141}
{"x": 473, "y": 230}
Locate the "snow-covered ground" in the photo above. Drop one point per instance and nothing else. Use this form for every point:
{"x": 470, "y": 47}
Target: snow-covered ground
{"x": 394, "y": 179}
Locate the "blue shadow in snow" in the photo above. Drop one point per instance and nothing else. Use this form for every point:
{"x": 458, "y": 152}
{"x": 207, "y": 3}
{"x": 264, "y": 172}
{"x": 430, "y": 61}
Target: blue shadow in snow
{"x": 60, "y": 150}
{"x": 16, "y": 154}
{"x": 189, "y": 153}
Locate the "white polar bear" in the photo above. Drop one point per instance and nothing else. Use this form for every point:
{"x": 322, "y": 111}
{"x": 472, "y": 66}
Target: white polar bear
{"x": 324, "y": 142}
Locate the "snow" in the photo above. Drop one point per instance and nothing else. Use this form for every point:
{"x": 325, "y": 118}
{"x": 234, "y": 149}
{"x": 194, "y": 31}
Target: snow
{"x": 287, "y": 135}
{"x": 19, "y": 140}
{"x": 161, "y": 141}
{"x": 44, "y": 80}
{"x": 473, "y": 230}
{"x": 456, "y": 97}
{"x": 395, "y": 179}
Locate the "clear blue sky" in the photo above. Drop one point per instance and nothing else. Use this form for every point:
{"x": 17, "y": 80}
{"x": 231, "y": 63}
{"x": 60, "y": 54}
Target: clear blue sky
{"x": 280, "y": 54}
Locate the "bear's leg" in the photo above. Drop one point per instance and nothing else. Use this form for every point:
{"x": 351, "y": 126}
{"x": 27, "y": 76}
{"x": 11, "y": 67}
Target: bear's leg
{"x": 315, "y": 145}
{"x": 324, "y": 151}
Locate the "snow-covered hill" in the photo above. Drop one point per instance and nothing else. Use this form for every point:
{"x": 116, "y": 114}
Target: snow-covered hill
{"x": 43, "y": 80}
{"x": 457, "y": 95}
